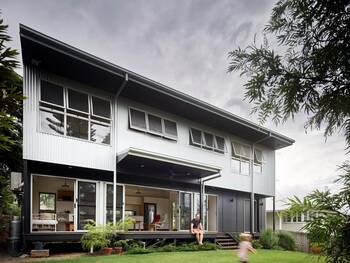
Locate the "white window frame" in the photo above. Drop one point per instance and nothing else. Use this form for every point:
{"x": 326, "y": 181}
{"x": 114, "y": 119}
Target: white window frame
{"x": 66, "y": 108}
{"x": 163, "y": 134}
{"x": 241, "y": 158}
{"x": 203, "y": 143}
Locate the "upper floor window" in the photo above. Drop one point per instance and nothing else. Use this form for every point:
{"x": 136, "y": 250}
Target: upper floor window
{"x": 207, "y": 140}
{"x": 150, "y": 123}
{"x": 75, "y": 114}
{"x": 241, "y": 155}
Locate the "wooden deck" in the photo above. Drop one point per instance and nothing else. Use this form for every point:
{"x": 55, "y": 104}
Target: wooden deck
{"x": 141, "y": 235}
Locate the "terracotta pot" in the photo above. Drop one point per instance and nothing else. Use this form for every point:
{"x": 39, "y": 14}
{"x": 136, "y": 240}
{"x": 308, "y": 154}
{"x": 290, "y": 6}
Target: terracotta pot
{"x": 107, "y": 251}
{"x": 118, "y": 250}
{"x": 315, "y": 249}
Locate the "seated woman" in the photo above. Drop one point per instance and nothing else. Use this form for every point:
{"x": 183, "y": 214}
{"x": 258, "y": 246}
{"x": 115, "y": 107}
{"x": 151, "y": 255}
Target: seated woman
{"x": 197, "y": 229}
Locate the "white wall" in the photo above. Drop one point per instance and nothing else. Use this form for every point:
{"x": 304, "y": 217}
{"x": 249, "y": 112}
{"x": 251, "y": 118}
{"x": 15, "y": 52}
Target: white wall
{"x": 263, "y": 183}
{"x": 44, "y": 147}
{"x": 280, "y": 225}
{"x": 63, "y": 150}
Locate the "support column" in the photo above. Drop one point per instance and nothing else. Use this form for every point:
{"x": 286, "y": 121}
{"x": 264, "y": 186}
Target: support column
{"x": 26, "y": 216}
{"x": 201, "y": 198}
{"x": 251, "y": 173}
{"x": 273, "y": 214}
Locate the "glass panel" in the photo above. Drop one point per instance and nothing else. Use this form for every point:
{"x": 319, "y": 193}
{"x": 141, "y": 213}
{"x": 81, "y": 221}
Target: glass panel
{"x": 109, "y": 203}
{"x": 170, "y": 128}
{"x": 77, "y": 127}
{"x": 174, "y": 200}
{"x": 196, "y": 137}
{"x": 185, "y": 211}
{"x": 100, "y": 133}
{"x": 258, "y": 156}
{"x": 209, "y": 140}
{"x": 47, "y": 202}
{"x": 86, "y": 203}
{"x": 220, "y": 143}
{"x": 196, "y": 203}
{"x": 52, "y": 122}
{"x": 101, "y": 107}
{"x": 235, "y": 166}
{"x": 244, "y": 168}
{"x": 51, "y": 93}
{"x": 196, "y": 208}
{"x": 78, "y": 101}
{"x": 246, "y": 151}
{"x": 155, "y": 123}
{"x": 138, "y": 119}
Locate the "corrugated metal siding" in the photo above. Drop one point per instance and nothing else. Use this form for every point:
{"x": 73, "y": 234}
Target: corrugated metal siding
{"x": 56, "y": 149}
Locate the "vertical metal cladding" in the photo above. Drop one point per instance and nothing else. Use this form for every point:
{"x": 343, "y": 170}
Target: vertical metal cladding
{"x": 52, "y": 148}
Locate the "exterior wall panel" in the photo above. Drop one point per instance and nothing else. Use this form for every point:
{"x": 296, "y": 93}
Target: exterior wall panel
{"x": 264, "y": 183}
{"x": 44, "y": 147}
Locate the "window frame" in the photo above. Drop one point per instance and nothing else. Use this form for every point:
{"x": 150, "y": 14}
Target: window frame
{"x": 67, "y": 111}
{"x": 92, "y": 108}
{"x": 55, "y": 204}
{"x": 163, "y": 134}
{"x": 203, "y": 145}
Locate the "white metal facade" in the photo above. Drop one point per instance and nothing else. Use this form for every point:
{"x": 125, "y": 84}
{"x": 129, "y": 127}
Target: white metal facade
{"x": 39, "y": 146}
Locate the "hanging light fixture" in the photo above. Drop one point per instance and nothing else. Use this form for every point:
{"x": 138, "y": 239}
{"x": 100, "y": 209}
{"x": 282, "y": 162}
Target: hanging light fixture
{"x": 65, "y": 185}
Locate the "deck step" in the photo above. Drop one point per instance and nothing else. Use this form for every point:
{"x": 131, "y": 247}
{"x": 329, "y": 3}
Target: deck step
{"x": 226, "y": 241}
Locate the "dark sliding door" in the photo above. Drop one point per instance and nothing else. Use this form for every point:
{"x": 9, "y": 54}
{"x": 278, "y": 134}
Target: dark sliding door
{"x": 86, "y": 203}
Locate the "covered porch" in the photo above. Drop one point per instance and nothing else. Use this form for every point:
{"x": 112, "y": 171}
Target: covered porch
{"x": 160, "y": 193}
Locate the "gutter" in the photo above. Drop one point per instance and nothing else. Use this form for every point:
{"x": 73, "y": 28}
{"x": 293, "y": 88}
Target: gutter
{"x": 115, "y": 146}
{"x": 251, "y": 172}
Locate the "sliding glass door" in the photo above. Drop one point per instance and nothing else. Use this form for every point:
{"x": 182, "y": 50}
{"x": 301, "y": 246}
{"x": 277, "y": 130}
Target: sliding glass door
{"x": 86, "y": 203}
{"x": 109, "y": 203}
{"x": 185, "y": 210}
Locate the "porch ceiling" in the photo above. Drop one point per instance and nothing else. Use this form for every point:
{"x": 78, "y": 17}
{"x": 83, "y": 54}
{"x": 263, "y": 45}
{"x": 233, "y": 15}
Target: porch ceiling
{"x": 140, "y": 162}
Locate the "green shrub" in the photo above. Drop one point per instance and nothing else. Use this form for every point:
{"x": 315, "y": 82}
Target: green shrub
{"x": 256, "y": 244}
{"x": 96, "y": 237}
{"x": 166, "y": 248}
{"x": 268, "y": 239}
{"x": 139, "y": 250}
{"x": 207, "y": 246}
{"x": 286, "y": 240}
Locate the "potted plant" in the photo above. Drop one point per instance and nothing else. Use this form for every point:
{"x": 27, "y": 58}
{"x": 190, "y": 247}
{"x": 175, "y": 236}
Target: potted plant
{"x": 120, "y": 246}
{"x": 96, "y": 237}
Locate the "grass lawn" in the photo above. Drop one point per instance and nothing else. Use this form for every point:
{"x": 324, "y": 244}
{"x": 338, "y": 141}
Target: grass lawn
{"x": 219, "y": 256}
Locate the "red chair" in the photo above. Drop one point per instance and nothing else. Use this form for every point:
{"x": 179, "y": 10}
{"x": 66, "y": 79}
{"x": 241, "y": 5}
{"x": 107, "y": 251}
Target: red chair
{"x": 156, "y": 223}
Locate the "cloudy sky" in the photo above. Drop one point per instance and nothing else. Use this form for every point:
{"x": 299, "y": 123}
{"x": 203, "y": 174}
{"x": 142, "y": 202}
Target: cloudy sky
{"x": 184, "y": 44}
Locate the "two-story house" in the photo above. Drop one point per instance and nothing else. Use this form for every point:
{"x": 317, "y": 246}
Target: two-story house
{"x": 101, "y": 143}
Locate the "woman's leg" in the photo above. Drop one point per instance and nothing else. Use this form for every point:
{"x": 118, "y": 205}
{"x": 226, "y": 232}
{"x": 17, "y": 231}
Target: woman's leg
{"x": 201, "y": 235}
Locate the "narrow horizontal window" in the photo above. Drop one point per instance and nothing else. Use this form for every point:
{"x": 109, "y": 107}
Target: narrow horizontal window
{"x": 155, "y": 124}
{"x": 170, "y": 128}
{"x": 209, "y": 140}
{"x": 241, "y": 150}
{"x": 101, "y": 108}
{"x": 196, "y": 137}
{"x": 78, "y": 101}
{"x": 138, "y": 119}
{"x": 51, "y": 93}
{"x": 220, "y": 143}
{"x": 258, "y": 156}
